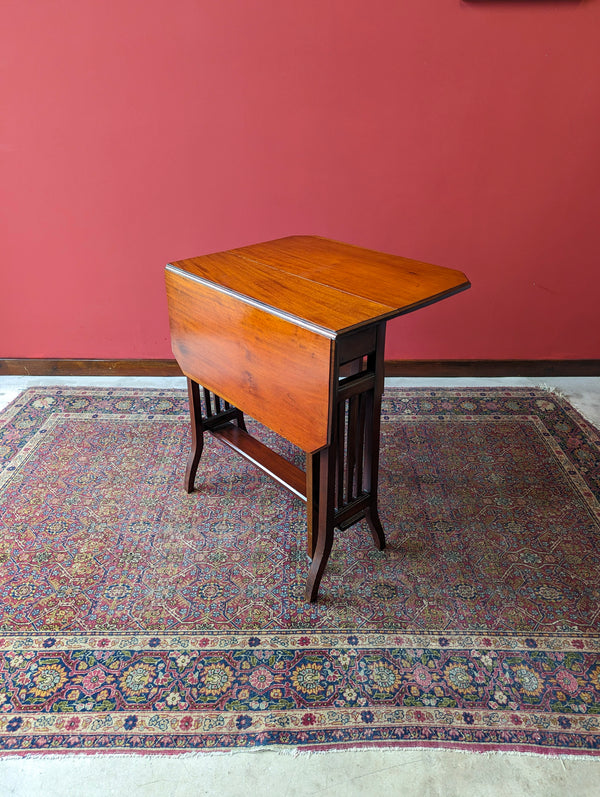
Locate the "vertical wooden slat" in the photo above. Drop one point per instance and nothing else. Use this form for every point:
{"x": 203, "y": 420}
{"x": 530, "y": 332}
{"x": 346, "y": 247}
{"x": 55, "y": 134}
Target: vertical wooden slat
{"x": 351, "y": 448}
{"x": 207, "y": 402}
{"x": 341, "y": 424}
{"x": 368, "y": 458}
{"x": 360, "y": 442}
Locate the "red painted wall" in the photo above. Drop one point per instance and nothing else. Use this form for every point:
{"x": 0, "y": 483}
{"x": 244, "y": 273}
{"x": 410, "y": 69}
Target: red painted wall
{"x": 461, "y": 133}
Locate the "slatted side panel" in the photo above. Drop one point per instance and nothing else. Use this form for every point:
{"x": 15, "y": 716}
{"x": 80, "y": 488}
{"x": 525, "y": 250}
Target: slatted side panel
{"x": 213, "y": 404}
{"x": 352, "y": 471}
{"x": 353, "y": 443}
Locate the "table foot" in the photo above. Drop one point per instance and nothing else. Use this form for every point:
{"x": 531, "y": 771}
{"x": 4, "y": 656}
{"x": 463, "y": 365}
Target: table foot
{"x": 372, "y": 518}
{"x": 318, "y": 565}
{"x": 197, "y": 435}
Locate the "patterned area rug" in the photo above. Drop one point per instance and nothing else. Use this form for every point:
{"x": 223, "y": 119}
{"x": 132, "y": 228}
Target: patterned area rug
{"x": 134, "y": 617}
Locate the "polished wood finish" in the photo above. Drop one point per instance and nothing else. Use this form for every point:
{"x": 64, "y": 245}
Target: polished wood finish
{"x": 398, "y": 283}
{"x": 292, "y": 332}
{"x": 274, "y": 369}
{"x": 295, "y": 296}
{"x": 41, "y": 366}
{"x": 302, "y": 276}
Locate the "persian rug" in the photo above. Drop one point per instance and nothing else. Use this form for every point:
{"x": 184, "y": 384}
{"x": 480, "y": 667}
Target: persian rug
{"x": 135, "y": 617}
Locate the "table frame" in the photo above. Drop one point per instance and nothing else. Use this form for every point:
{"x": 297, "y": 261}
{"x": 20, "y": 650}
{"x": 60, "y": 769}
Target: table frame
{"x": 340, "y": 482}
{"x": 292, "y": 333}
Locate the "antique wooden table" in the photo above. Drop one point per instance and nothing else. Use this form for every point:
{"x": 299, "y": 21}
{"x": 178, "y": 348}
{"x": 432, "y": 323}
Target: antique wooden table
{"x": 291, "y": 332}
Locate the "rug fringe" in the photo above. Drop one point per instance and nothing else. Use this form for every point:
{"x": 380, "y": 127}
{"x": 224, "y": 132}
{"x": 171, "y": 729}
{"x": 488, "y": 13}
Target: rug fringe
{"x": 554, "y": 390}
{"x": 297, "y": 753}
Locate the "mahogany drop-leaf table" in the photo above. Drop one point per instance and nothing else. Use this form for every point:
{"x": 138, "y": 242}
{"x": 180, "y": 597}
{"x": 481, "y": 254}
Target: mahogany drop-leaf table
{"x": 291, "y": 332}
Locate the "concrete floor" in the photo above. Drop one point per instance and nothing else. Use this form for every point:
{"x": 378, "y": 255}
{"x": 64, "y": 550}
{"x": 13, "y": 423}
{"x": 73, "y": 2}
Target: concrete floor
{"x": 405, "y": 773}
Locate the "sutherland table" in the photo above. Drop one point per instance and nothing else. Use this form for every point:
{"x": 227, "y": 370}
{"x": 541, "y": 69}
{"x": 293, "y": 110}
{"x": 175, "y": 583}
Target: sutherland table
{"x": 292, "y": 332}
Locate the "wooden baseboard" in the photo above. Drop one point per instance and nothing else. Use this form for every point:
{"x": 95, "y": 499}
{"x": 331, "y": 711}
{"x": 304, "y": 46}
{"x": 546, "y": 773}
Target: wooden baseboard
{"x": 492, "y": 368}
{"x": 65, "y": 367}
{"x": 407, "y": 368}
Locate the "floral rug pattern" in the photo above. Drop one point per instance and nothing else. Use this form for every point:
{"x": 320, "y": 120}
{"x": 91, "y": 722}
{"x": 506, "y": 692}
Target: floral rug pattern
{"x": 135, "y": 617}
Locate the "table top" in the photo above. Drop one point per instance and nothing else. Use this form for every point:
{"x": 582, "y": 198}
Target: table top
{"x": 325, "y": 285}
